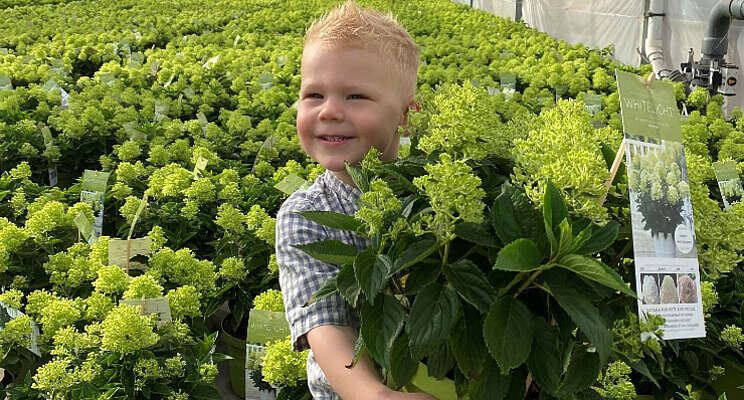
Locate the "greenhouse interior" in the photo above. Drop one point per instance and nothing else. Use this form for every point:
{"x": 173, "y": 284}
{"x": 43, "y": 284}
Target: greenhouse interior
{"x": 371, "y": 199}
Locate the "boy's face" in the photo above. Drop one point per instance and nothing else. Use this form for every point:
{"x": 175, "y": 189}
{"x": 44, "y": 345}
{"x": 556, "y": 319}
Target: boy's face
{"x": 349, "y": 102}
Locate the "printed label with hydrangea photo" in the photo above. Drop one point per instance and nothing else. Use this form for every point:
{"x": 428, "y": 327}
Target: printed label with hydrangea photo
{"x": 666, "y": 257}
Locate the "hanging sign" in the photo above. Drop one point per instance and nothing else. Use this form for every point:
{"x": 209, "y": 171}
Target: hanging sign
{"x": 666, "y": 261}
{"x": 92, "y": 192}
{"x": 46, "y": 134}
{"x": 728, "y": 182}
{"x": 157, "y": 305}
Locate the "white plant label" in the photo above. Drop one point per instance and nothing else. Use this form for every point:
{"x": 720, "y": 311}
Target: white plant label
{"x": 157, "y": 305}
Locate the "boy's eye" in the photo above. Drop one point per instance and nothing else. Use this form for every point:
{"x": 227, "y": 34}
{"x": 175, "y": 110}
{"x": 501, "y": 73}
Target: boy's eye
{"x": 357, "y": 96}
{"x": 313, "y": 96}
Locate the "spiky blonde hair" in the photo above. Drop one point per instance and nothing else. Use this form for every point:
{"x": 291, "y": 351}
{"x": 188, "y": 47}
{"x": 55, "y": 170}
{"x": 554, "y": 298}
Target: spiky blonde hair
{"x": 350, "y": 25}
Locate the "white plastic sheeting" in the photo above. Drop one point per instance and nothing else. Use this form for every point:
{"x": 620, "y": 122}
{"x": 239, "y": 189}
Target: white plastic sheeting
{"x": 600, "y": 23}
{"x": 597, "y": 23}
{"x": 502, "y": 8}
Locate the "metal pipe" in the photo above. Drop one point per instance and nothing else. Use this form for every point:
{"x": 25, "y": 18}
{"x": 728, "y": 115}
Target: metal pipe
{"x": 654, "y": 43}
{"x": 715, "y": 41}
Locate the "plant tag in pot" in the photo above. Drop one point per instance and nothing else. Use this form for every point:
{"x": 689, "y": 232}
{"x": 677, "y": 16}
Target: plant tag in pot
{"x": 667, "y": 271}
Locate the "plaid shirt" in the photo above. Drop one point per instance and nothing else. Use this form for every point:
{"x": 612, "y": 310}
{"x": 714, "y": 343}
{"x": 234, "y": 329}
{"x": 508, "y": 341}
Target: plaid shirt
{"x": 301, "y": 275}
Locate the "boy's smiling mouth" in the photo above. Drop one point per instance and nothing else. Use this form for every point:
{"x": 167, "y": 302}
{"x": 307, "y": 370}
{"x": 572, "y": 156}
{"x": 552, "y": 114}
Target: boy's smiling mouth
{"x": 335, "y": 139}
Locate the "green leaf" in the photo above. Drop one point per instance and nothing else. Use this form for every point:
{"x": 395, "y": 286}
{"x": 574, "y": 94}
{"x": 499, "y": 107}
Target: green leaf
{"x": 330, "y": 251}
{"x": 360, "y": 348}
{"x": 582, "y": 372}
{"x": 358, "y": 176}
{"x": 421, "y": 276}
{"x": 440, "y": 362}
{"x": 520, "y": 255}
{"x": 513, "y": 217}
{"x": 432, "y": 315}
{"x": 600, "y": 238}
{"x": 641, "y": 367}
{"x": 347, "y": 284}
{"x": 491, "y": 385}
{"x": 554, "y": 212}
{"x": 402, "y": 366}
{"x": 596, "y": 271}
{"x": 508, "y": 332}
{"x": 205, "y": 392}
{"x": 545, "y": 361}
{"x": 329, "y": 287}
{"x": 466, "y": 342}
{"x": 582, "y": 312}
{"x": 371, "y": 272}
{"x": 381, "y": 324}
{"x": 471, "y": 284}
{"x": 565, "y": 240}
{"x": 334, "y": 220}
{"x": 475, "y": 233}
{"x": 416, "y": 252}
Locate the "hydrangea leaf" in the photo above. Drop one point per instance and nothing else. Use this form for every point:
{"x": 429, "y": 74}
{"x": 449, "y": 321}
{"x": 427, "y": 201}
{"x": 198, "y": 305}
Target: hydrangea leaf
{"x": 415, "y": 253}
{"x": 347, "y": 284}
{"x": 381, "y": 324}
{"x": 432, "y": 315}
{"x": 471, "y": 284}
{"x": 582, "y": 312}
{"x": 598, "y": 238}
{"x": 333, "y": 220}
{"x": 520, "y": 255}
{"x": 475, "y": 233}
{"x": 491, "y": 385}
{"x": 371, "y": 272}
{"x": 466, "y": 342}
{"x": 402, "y": 366}
{"x": 545, "y": 361}
{"x": 596, "y": 271}
{"x": 330, "y": 251}
{"x": 508, "y": 332}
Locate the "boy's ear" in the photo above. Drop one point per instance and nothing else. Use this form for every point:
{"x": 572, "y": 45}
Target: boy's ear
{"x": 411, "y": 105}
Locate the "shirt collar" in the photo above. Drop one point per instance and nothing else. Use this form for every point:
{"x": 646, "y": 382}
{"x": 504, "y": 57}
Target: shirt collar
{"x": 338, "y": 186}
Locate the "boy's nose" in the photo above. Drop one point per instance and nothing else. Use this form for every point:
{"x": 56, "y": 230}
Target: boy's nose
{"x": 331, "y": 111}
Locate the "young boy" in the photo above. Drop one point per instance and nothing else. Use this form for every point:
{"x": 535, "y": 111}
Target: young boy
{"x": 358, "y": 81}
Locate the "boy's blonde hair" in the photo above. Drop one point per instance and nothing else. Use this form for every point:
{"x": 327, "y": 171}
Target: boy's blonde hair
{"x": 350, "y": 25}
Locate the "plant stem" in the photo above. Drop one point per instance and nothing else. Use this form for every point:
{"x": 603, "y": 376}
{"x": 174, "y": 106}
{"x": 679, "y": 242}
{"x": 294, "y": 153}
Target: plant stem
{"x": 446, "y": 253}
{"x": 513, "y": 282}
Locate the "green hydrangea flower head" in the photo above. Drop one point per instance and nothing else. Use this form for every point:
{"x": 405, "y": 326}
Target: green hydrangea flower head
{"x": 281, "y": 366}
{"x": 125, "y": 330}
{"x": 175, "y": 366}
{"x": 273, "y": 266}
{"x": 157, "y": 237}
{"x": 128, "y": 151}
{"x": 18, "y": 202}
{"x": 55, "y": 379}
{"x": 16, "y": 333}
{"x": 615, "y": 382}
{"x": 207, "y": 372}
{"x": 37, "y": 300}
{"x": 184, "y": 302}
{"x": 230, "y": 219}
{"x": 269, "y": 300}
{"x": 13, "y": 298}
{"x": 378, "y": 206}
{"x": 22, "y": 172}
{"x": 732, "y": 336}
{"x": 709, "y": 295}
{"x": 143, "y": 286}
{"x": 233, "y": 268}
{"x": 454, "y": 195}
{"x": 57, "y": 314}
{"x": 97, "y": 306}
{"x": 99, "y": 251}
{"x": 111, "y": 280}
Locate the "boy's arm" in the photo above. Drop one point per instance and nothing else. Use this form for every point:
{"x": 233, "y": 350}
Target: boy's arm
{"x": 333, "y": 348}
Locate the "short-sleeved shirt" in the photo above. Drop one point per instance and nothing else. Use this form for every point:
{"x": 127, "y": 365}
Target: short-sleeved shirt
{"x": 301, "y": 275}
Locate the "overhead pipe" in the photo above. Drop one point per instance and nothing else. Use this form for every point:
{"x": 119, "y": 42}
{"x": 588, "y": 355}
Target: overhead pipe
{"x": 654, "y": 43}
{"x": 715, "y": 41}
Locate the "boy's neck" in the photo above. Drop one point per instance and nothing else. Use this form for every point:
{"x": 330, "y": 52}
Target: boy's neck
{"x": 344, "y": 177}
